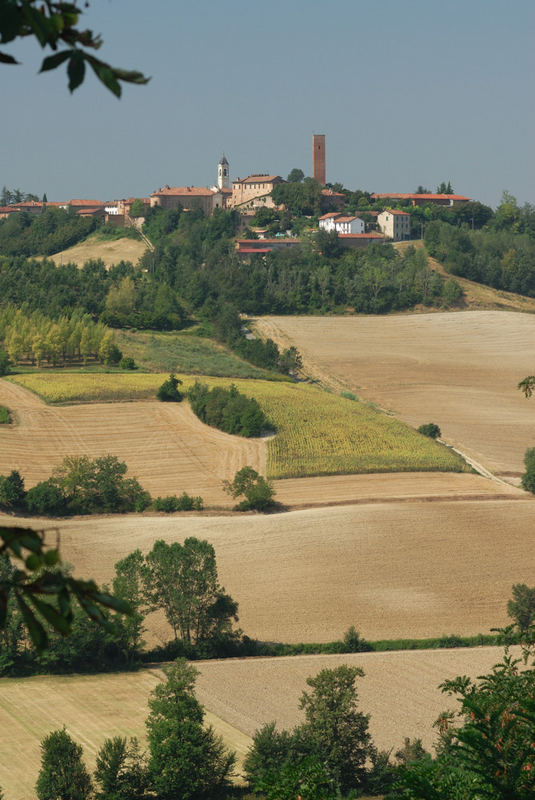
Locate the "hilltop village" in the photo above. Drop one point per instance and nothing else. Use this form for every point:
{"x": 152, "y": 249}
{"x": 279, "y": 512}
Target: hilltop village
{"x": 266, "y": 201}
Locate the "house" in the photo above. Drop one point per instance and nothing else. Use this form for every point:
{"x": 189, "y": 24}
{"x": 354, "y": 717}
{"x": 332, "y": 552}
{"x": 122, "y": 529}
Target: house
{"x": 254, "y": 191}
{"x": 395, "y": 225}
{"x": 340, "y": 223}
{"x": 173, "y": 197}
{"x": 422, "y": 199}
{"x": 330, "y": 199}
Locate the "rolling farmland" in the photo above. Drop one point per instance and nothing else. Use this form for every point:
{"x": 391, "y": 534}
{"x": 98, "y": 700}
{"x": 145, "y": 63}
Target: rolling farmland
{"x": 458, "y": 369}
{"x": 399, "y": 691}
{"x": 318, "y": 433}
{"x": 110, "y": 252}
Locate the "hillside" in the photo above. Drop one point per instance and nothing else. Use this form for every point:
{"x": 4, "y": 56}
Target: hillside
{"x": 399, "y": 691}
{"x": 95, "y": 247}
{"x": 458, "y": 369}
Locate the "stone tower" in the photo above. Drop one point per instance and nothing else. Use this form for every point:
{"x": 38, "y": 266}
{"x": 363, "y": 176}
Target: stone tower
{"x": 318, "y": 158}
{"x": 223, "y": 173}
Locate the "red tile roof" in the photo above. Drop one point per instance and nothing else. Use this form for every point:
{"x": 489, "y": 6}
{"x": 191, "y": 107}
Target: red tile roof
{"x": 370, "y": 235}
{"x": 397, "y": 212}
{"x": 330, "y": 193}
{"x": 87, "y": 203}
{"x": 258, "y": 179}
{"x": 426, "y": 196}
{"x": 199, "y": 191}
{"x": 331, "y": 214}
{"x": 346, "y": 219}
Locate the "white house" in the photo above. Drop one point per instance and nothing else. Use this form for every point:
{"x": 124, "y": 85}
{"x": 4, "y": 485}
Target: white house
{"x": 395, "y": 224}
{"x": 340, "y": 223}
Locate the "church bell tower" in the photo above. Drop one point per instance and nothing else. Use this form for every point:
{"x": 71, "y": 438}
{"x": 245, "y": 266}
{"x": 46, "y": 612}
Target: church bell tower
{"x": 223, "y": 173}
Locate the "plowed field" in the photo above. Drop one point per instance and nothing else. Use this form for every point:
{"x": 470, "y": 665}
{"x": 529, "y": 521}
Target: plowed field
{"x": 393, "y": 569}
{"x": 457, "y": 369}
{"x": 164, "y": 444}
{"x": 399, "y": 691}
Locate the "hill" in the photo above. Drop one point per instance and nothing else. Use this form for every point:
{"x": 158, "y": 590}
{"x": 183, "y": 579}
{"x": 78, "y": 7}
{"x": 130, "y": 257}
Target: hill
{"x": 110, "y": 251}
{"x": 399, "y": 690}
{"x": 458, "y": 369}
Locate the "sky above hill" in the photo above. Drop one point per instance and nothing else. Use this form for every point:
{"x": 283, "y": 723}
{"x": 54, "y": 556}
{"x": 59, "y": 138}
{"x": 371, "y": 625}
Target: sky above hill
{"x": 407, "y": 93}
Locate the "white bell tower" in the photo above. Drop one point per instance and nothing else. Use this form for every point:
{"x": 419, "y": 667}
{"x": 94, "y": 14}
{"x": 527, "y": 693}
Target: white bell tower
{"x": 223, "y": 173}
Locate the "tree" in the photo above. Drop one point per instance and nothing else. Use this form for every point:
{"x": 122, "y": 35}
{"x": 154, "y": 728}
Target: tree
{"x": 63, "y": 775}
{"x": 296, "y": 176}
{"x": 334, "y": 729}
{"x": 168, "y": 391}
{"x": 121, "y": 770}
{"x": 137, "y": 209}
{"x": 490, "y": 754}
{"x": 528, "y": 478}
{"x": 4, "y": 363}
{"x": 258, "y": 492}
{"x": 52, "y": 24}
{"x": 521, "y": 608}
{"x": 12, "y": 492}
{"x": 290, "y": 360}
{"x": 128, "y": 586}
{"x": 187, "y": 761}
{"x": 182, "y": 580}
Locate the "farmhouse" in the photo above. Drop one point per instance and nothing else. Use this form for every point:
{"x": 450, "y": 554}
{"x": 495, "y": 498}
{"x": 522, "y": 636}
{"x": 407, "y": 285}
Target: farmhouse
{"x": 395, "y": 224}
{"x": 340, "y": 223}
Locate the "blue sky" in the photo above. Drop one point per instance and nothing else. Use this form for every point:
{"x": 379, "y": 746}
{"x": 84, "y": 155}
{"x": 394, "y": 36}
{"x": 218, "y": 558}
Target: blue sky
{"x": 406, "y": 92}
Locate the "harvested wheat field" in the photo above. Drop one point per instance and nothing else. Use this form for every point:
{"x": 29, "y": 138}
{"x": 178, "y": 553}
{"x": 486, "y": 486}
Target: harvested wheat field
{"x": 399, "y": 691}
{"x": 317, "y": 432}
{"x": 164, "y": 444}
{"x": 393, "y": 570}
{"x": 110, "y": 252}
{"x": 457, "y": 369}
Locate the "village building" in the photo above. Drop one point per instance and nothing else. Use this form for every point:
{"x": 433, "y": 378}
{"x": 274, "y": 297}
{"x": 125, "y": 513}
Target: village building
{"x": 395, "y": 225}
{"x": 173, "y": 197}
{"x": 357, "y": 241}
{"x": 254, "y": 191}
{"x": 340, "y": 223}
{"x": 330, "y": 199}
{"x": 422, "y": 199}
{"x": 248, "y": 247}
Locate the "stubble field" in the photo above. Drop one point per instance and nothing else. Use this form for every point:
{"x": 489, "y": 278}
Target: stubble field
{"x": 110, "y": 252}
{"x": 457, "y": 369}
{"x": 393, "y": 570}
{"x": 399, "y": 691}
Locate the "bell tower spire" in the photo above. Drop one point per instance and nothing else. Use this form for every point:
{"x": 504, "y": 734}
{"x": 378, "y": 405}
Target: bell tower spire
{"x": 223, "y": 173}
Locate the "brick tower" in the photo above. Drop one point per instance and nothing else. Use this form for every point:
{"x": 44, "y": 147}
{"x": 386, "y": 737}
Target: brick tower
{"x": 318, "y": 157}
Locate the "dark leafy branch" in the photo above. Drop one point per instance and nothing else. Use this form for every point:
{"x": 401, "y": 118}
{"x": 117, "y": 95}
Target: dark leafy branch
{"x": 43, "y": 592}
{"x": 54, "y": 24}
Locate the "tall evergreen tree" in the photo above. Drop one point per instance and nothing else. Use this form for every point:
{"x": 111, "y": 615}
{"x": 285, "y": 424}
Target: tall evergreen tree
{"x": 63, "y": 774}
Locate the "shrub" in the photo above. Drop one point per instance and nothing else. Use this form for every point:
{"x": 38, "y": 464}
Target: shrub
{"x": 172, "y": 503}
{"x": 528, "y": 478}
{"x": 46, "y": 498}
{"x": 452, "y": 292}
{"x": 521, "y": 608}
{"x": 12, "y": 492}
{"x": 430, "y": 429}
{"x": 168, "y": 391}
{"x": 258, "y": 492}
{"x": 227, "y": 409}
{"x": 127, "y": 363}
{"x": 5, "y": 417}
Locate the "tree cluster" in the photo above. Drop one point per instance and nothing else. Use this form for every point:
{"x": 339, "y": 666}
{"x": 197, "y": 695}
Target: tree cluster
{"x": 35, "y": 338}
{"x": 10, "y": 196}
{"x": 55, "y": 229}
{"x": 227, "y": 409}
{"x": 186, "y": 760}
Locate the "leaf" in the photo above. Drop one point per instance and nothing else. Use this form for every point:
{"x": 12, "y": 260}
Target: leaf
{"x": 7, "y": 59}
{"x": 105, "y": 74}
{"x": 76, "y": 70}
{"x": 51, "y": 62}
{"x": 35, "y": 629}
{"x": 33, "y": 562}
{"x": 52, "y": 616}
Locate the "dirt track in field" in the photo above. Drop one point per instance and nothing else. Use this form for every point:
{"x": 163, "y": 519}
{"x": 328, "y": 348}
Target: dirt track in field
{"x": 393, "y": 569}
{"x": 164, "y": 445}
{"x": 399, "y": 691}
{"x": 457, "y": 369}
